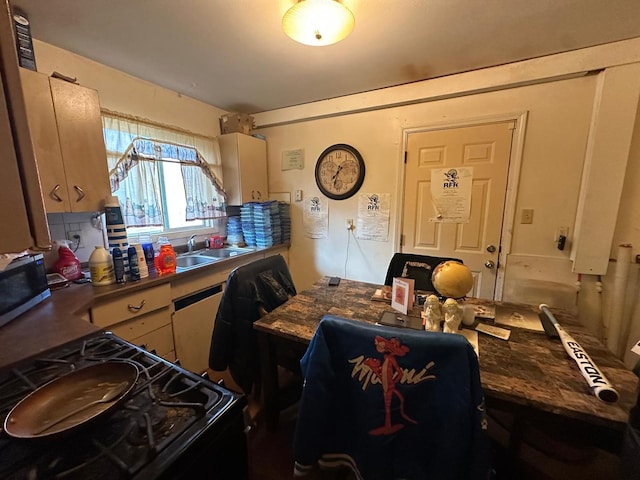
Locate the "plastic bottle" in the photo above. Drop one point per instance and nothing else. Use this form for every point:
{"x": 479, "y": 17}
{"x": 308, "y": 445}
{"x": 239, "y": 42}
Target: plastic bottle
{"x": 166, "y": 259}
{"x": 67, "y": 264}
{"x": 118, "y": 265}
{"x": 142, "y": 261}
{"x": 116, "y": 228}
{"x": 134, "y": 270}
{"x": 101, "y": 267}
{"x": 149, "y": 254}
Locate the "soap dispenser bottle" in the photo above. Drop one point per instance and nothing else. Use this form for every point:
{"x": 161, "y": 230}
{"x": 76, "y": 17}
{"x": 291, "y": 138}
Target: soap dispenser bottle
{"x": 166, "y": 259}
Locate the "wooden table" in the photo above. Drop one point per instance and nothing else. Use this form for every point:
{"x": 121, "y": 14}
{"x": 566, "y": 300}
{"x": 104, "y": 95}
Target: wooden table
{"x": 527, "y": 375}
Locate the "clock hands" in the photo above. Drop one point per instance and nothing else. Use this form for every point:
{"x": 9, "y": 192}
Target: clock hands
{"x": 335, "y": 177}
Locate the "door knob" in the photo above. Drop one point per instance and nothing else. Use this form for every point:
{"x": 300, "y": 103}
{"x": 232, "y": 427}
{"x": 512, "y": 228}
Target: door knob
{"x": 489, "y": 264}
{"x": 491, "y": 248}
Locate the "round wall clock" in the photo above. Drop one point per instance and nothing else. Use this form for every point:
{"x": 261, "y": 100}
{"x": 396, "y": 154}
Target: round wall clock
{"x": 340, "y": 171}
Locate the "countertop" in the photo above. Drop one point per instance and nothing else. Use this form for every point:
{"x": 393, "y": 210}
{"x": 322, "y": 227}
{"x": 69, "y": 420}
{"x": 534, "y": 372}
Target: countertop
{"x": 64, "y": 317}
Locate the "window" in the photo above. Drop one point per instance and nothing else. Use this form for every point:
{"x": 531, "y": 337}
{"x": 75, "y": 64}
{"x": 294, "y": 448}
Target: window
{"x": 166, "y": 179}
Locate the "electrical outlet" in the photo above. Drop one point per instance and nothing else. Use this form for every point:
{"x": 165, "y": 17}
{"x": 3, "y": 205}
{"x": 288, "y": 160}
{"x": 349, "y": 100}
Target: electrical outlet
{"x": 298, "y": 195}
{"x": 75, "y": 238}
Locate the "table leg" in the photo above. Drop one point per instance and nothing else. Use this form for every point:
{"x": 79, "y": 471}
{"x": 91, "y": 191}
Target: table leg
{"x": 269, "y": 370}
{"x": 515, "y": 443}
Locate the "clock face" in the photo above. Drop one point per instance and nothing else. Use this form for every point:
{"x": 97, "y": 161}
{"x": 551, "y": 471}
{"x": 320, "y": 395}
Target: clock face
{"x": 340, "y": 171}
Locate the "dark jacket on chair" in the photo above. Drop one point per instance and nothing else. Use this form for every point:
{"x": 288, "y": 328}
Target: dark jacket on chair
{"x": 391, "y": 403}
{"x": 250, "y": 291}
{"x": 418, "y": 267}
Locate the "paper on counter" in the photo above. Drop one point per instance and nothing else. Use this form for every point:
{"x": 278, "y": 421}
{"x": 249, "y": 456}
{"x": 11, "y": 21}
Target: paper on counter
{"x": 485, "y": 311}
{"x": 518, "y": 317}
{"x": 501, "y": 333}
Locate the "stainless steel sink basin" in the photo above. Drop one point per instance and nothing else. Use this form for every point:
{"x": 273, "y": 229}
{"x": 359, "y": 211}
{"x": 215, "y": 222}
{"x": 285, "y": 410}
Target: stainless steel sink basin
{"x": 225, "y": 252}
{"x": 189, "y": 261}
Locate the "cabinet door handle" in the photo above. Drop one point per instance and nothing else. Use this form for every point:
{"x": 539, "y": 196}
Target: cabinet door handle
{"x": 81, "y": 193}
{"x": 54, "y": 195}
{"x": 135, "y": 308}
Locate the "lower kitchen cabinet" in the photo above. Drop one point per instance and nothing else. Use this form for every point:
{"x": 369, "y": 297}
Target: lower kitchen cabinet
{"x": 153, "y": 331}
{"x": 175, "y": 319}
{"x": 142, "y": 318}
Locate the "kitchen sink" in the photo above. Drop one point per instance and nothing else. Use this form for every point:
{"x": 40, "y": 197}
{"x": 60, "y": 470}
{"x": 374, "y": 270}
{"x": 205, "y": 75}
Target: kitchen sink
{"x": 225, "y": 252}
{"x": 187, "y": 261}
{"x": 190, "y": 261}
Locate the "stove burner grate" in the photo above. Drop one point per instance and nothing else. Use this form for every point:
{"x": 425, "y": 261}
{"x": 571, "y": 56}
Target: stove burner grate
{"x": 167, "y": 410}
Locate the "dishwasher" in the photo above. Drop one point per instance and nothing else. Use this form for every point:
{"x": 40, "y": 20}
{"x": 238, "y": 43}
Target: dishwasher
{"x": 193, "y": 322}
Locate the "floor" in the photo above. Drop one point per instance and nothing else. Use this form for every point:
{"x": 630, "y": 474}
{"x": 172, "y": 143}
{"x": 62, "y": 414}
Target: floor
{"x": 271, "y": 458}
{"x": 271, "y": 453}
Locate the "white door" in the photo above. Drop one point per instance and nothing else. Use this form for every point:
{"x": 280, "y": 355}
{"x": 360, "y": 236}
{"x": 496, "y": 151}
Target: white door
{"x": 485, "y": 148}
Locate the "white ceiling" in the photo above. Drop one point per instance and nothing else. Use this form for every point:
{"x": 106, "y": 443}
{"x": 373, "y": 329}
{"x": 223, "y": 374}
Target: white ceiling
{"x": 233, "y": 54}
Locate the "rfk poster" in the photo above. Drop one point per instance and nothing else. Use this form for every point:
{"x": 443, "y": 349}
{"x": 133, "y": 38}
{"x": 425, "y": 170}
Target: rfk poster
{"x": 451, "y": 194}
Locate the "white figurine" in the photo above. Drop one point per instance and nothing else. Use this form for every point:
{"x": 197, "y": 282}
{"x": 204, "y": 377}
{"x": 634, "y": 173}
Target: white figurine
{"x": 432, "y": 313}
{"x": 452, "y": 316}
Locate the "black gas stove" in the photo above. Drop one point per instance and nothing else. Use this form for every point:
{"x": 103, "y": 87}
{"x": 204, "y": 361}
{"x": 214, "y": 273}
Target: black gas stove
{"x": 172, "y": 424}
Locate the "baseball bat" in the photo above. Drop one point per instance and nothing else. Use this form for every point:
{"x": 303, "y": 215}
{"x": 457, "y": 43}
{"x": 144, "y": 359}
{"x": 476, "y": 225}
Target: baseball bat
{"x": 598, "y": 383}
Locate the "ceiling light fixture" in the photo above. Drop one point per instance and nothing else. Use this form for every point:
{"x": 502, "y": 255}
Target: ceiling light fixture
{"x": 318, "y": 22}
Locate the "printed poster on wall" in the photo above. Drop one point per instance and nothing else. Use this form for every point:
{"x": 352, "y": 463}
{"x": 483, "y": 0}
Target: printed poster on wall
{"x": 373, "y": 216}
{"x": 451, "y": 194}
{"x": 316, "y": 217}
{"x": 292, "y": 159}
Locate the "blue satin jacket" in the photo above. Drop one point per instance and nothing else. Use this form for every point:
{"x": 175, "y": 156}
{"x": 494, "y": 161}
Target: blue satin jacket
{"x": 391, "y": 403}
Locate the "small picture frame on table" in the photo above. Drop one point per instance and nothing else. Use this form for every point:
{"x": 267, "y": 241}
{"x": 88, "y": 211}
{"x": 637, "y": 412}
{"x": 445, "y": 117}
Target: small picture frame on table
{"x": 402, "y": 294}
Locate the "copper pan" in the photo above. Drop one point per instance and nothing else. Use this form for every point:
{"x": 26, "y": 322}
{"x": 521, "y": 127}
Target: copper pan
{"x": 71, "y": 401}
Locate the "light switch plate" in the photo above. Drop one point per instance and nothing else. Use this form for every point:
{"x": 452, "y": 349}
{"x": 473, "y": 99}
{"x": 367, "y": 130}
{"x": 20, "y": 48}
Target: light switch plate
{"x": 527, "y": 215}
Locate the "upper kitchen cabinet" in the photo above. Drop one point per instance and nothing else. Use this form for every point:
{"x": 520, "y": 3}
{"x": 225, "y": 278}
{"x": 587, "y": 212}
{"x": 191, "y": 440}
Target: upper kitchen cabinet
{"x": 66, "y": 128}
{"x": 23, "y": 215}
{"x": 244, "y": 168}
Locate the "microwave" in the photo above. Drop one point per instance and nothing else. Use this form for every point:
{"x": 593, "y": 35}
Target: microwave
{"x": 23, "y": 285}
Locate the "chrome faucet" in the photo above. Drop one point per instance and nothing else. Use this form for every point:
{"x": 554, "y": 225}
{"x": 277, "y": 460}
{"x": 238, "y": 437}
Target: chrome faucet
{"x": 190, "y": 243}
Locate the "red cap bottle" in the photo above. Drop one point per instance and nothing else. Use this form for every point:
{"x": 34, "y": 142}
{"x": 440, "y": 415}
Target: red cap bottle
{"x": 166, "y": 259}
{"x": 67, "y": 264}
